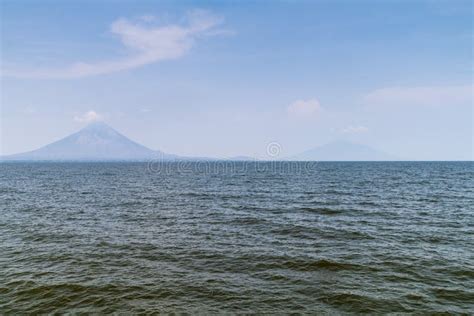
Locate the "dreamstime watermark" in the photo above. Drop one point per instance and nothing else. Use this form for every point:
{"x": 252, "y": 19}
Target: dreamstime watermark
{"x": 273, "y": 150}
{"x": 271, "y": 163}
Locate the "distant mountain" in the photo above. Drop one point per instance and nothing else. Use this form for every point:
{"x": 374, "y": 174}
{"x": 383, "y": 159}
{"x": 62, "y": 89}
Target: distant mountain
{"x": 95, "y": 142}
{"x": 100, "y": 142}
{"x": 343, "y": 151}
{"x": 241, "y": 158}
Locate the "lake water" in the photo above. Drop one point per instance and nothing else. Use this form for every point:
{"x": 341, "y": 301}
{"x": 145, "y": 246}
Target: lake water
{"x": 333, "y": 238}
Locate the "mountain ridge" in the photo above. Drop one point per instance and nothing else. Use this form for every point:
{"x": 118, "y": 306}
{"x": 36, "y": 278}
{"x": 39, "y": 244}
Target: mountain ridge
{"x": 95, "y": 142}
{"x": 99, "y": 142}
{"x": 343, "y": 151}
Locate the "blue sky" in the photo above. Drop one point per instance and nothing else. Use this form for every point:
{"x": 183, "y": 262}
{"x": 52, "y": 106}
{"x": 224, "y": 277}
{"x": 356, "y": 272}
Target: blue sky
{"x": 214, "y": 78}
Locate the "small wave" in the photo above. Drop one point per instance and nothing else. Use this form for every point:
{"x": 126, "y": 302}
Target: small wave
{"x": 359, "y": 303}
{"x": 197, "y": 194}
{"x": 453, "y": 294}
{"x": 310, "y": 265}
{"x": 337, "y": 192}
{"x": 367, "y": 203}
{"x": 461, "y": 272}
{"x": 131, "y": 203}
{"x": 248, "y": 221}
{"x": 321, "y": 210}
{"x": 11, "y": 191}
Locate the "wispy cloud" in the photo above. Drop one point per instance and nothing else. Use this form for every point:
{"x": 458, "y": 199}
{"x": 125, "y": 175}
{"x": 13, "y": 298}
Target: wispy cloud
{"x": 29, "y": 110}
{"x": 424, "y": 96}
{"x": 148, "y": 18}
{"x": 146, "y": 43}
{"x": 356, "y": 129}
{"x": 90, "y": 116}
{"x": 304, "y": 108}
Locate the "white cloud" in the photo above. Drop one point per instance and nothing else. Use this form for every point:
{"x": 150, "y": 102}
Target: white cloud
{"x": 424, "y": 96}
{"x": 90, "y": 116}
{"x": 147, "y": 18}
{"x": 29, "y": 110}
{"x": 357, "y": 129}
{"x": 146, "y": 43}
{"x": 304, "y": 108}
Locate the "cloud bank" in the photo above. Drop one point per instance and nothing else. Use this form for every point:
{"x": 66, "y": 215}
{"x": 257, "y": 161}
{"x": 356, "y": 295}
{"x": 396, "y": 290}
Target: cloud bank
{"x": 354, "y": 129}
{"x": 423, "y": 96}
{"x": 88, "y": 117}
{"x": 304, "y": 108}
{"x": 146, "y": 44}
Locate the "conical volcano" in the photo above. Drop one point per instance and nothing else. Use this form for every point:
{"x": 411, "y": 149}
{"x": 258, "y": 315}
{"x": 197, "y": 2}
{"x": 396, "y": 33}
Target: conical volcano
{"x": 95, "y": 142}
{"x": 344, "y": 151}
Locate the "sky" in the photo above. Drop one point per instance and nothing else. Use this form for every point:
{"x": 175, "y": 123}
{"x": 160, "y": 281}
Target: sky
{"x": 228, "y": 78}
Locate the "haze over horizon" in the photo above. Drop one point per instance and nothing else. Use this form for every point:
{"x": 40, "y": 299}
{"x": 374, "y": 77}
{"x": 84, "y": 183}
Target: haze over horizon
{"x": 98, "y": 141}
{"x": 215, "y": 79}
